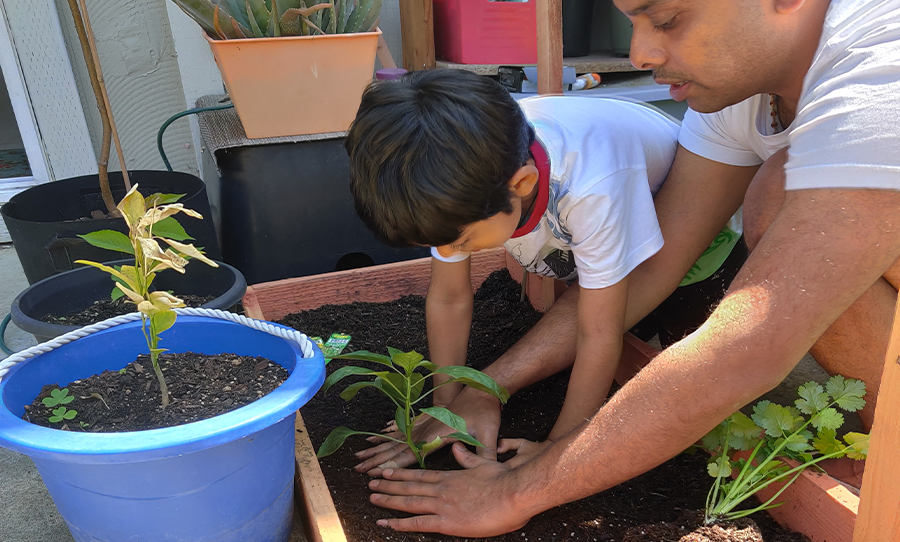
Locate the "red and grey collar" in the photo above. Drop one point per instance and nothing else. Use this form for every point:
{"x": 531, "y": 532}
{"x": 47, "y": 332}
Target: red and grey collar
{"x": 542, "y": 162}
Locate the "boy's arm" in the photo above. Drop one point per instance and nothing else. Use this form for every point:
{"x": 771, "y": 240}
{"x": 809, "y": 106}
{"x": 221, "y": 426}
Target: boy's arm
{"x": 448, "y": 320}
{"x": 601, "y": 314}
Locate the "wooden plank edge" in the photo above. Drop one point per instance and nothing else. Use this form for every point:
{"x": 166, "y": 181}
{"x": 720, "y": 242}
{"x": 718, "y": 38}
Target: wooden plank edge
{"x": 251, "y": 304}
{"x": 321, "y": 522}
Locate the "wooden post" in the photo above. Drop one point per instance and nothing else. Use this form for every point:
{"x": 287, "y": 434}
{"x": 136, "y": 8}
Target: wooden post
{"x": 417, "y": 33}
{"x": 549, "y": 46}
{"x": 879, "y": 499}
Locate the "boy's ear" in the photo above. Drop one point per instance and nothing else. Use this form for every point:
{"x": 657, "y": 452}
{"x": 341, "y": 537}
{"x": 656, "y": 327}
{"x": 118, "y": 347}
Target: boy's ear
{"x": 523, "y": 181}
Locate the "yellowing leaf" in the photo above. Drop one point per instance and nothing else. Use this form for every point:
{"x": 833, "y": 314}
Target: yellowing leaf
{"x": 190, "y": 250}
{"x": 169, "y": 259}
{"x": 132, "y": 206}
{"x": 165, "y": 300}
{"x": 162, "y": 321}
{"x": 147, "y": 308}
{"x": 826, "y": 442}
{"x": 156, "y": 214}
{"x": 859, "y": 445}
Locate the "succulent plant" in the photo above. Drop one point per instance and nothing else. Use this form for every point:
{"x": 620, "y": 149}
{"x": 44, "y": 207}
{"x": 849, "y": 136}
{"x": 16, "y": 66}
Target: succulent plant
{"x": 237, "y": 19}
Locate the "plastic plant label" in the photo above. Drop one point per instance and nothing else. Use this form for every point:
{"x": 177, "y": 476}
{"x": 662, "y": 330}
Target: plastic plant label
{"x": 333, "y": 346}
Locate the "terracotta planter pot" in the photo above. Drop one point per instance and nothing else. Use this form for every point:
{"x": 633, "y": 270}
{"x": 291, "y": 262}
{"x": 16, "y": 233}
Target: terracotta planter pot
{"x": 296, "y": 85}
{"x": 817, "y": 505}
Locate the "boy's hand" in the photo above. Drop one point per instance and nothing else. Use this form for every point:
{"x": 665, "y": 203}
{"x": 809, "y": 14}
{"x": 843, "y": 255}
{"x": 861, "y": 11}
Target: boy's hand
{"x": 481, "y": 412}
{"x": 525, "y": 449}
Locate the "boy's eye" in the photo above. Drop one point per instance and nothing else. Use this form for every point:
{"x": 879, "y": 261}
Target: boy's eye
{"x": 667, "y": 25}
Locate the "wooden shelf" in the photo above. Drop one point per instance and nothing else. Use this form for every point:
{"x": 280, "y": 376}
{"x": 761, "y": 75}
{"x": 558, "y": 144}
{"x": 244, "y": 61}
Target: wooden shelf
{"x": 597, "y": 62}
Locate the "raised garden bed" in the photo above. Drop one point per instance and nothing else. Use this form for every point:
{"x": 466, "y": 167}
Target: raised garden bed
{"x": 817, "y": 505}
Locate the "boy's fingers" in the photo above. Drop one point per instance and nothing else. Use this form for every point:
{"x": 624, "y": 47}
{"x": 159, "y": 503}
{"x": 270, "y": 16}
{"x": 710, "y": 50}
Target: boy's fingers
{"x": 374, "y": 450}
{"x": 509, "y": 444}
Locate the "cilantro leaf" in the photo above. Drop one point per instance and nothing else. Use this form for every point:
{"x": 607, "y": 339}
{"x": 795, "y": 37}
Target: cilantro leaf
{"x": 859, "y": 445}
{"x": 828, "y": 418}
{"x": 775, "y": 419}
{"x": 847, "y": 392}
{"x": 812, "y": 398}
{"x": 826, "y": 442}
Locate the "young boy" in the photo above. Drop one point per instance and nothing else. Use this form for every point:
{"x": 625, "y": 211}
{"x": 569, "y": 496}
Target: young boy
{"x": 448, "y": 159}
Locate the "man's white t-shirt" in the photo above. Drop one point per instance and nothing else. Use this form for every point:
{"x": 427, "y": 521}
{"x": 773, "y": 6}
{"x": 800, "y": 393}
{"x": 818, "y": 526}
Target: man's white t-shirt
{"x": 847, "y": 130}
{"x": 594, "y": 216}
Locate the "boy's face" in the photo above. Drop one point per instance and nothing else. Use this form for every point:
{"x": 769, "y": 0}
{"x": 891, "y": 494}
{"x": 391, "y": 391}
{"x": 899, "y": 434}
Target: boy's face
{"x": 494, "y": 231}
{"x": 486, "y": 234}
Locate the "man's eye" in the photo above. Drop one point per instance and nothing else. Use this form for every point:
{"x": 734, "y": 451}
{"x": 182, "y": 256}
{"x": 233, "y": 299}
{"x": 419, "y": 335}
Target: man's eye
{"x": 668, "y": 25}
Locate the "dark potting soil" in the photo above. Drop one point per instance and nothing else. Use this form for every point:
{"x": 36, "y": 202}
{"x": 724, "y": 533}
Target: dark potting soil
{"x": 200, "y": 386}
{"x": 499, "y": 320}
{"x": 107, "y": 308}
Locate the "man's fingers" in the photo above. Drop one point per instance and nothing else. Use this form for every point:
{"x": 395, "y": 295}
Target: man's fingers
{"x": 414, "y": 475}
{"x": 514, "y": 461}
{"x": 420, "y": 524}
{"x": 399, "y": 455}
{"x": 466, "y": 458}
{"x": 404, "y": 488}
{"x": 509, "y": 444}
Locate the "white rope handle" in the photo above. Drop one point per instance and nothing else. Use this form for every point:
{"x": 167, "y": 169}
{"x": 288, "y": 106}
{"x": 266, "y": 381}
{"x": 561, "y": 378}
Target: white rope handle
{"x": 289, "y": 334}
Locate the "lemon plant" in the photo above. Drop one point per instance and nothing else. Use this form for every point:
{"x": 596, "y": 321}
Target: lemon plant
{"x": 150, "y": 220}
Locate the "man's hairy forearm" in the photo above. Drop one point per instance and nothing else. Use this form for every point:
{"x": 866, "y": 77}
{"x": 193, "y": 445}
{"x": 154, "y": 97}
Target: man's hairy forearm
{"x": 824, "y": 249}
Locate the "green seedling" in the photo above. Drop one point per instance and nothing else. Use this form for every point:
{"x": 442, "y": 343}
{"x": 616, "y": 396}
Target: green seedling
{"x": 149, "y": 220}
{"x": 62, "y": 413}
{"x": 403, "y": 385}
{"x": 58, "y": 397}
{"x": 775, "y": 432}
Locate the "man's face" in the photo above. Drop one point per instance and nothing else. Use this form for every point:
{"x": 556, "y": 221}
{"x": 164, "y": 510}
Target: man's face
{"x": 712, "y": 53}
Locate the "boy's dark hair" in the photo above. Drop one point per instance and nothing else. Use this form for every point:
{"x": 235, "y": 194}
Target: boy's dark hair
{"x": 434, "y": 152}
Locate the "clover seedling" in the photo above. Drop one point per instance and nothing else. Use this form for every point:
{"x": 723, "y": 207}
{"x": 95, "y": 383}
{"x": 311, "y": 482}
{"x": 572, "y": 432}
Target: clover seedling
{"x": 58, "y": 397}
{"x": 62, "y": 413}
{"x": 775, "y": 431}
{"x": 403, "y": 385}
{"x": 149, "y": 221}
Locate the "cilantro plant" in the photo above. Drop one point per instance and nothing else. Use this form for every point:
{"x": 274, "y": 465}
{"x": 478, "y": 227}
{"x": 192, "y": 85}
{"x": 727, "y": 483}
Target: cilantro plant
{"x": 149, "y": 220}
{"x": 403, "y": 385}
{"x": 775, "y": 432}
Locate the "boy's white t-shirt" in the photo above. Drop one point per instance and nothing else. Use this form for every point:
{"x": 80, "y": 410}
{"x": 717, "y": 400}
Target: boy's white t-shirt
{"x": 847, "y": 130}
{"x": 607, "y": 158}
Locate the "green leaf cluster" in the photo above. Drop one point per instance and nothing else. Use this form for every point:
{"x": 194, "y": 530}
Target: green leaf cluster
{"x": 61, "y": 414}
{"x": 58, "y": 397}
{"x": 150, "y": 222}
{"x": 239, "y": 19}
{"x": 403, "y": 382}
{"x": 775, "y": 432}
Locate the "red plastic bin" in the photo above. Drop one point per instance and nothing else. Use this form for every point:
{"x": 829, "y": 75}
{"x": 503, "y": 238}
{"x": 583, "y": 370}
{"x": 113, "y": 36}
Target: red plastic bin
{"x": 485, "y": 32}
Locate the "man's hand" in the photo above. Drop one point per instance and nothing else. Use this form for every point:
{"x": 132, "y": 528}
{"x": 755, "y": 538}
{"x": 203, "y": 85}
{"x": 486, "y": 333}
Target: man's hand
{"x": 525, "y": 449}
{"x": 481, "y": 412}
{"x": 475, "y": 502}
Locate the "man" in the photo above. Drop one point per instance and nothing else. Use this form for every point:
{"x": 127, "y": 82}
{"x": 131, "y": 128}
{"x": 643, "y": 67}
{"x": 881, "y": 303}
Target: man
{"x": 822, "y": 217}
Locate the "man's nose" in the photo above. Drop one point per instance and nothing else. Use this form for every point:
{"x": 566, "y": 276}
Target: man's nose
{"x": 645, "y": 53}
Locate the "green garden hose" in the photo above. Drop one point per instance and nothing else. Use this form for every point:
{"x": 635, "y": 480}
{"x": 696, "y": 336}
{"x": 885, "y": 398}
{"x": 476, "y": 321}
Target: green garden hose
{"x": 173, "y": 118}
{"x": 3, "y": 326}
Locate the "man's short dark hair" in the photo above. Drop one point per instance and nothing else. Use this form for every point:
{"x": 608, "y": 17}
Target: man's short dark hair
{"x": 434, "y": 152}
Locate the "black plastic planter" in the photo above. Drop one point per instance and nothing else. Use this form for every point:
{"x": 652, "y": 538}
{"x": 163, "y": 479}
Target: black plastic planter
{"x": 287, "y": 212}
{"x": 577, "y": 19}
{"x": 75, "y": 290}
{"x": 45, "y": 220}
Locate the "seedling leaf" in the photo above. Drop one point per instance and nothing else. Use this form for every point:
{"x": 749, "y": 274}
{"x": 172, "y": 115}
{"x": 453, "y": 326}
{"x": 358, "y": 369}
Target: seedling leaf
{"x": 345, "y": 371}
{"x": 451, "y": 419}
{"x": 417, "y": 384}
{"x": 407, "y": 360}
{"x": 475, "y": 379}
{"x": 170, "y": 229}
{"x": 466, "y": 438}
{"x": 400, "y": 419}
{"x": 429, "y": 446}
{"x": 394, "y": 385}
{"x": 58, "y": 397}
{"x": 335, "y": 439}
{"x": 351, "y": 390}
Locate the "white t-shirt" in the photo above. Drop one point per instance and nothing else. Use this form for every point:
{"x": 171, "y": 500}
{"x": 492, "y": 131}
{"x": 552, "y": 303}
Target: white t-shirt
{"x": 594, "y": 210}
{"x": 847, "y": 130}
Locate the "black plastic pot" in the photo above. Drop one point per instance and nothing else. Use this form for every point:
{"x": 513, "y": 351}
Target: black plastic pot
{"x": 44, "y": 220}
{"x": 75, "y": 290}
{"x": 287, "y": 212}
{"x": 577, "y": 19}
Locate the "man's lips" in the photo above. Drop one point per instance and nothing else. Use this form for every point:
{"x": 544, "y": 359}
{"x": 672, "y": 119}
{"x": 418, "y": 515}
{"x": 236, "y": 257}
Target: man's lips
{"x": 677, "y": 88}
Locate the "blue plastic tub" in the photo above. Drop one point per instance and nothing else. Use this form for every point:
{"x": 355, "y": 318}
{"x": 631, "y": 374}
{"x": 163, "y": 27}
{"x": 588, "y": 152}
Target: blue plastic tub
{"x": 228, "y": 478}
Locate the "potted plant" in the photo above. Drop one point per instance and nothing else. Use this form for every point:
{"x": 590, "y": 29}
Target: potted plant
{"x": 291, "y": 67}
{"x": 44, "y": 221}
{"x": 228, "y": 477}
